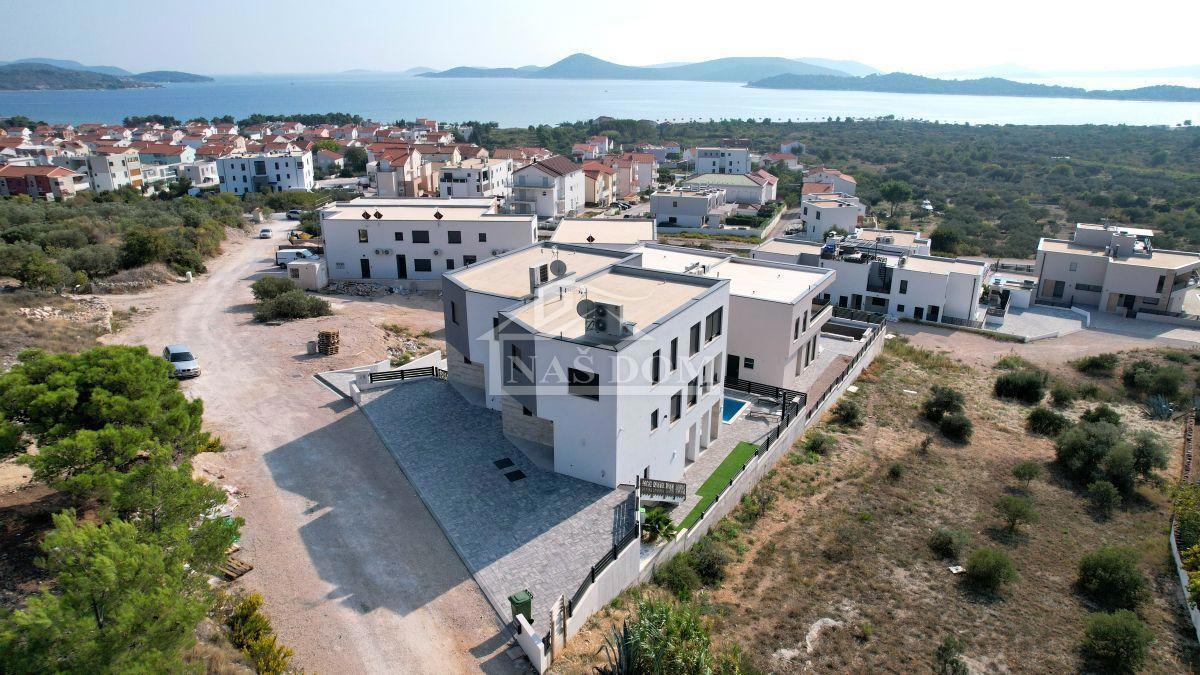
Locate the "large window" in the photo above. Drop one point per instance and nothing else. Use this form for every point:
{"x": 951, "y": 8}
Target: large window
{"x": 694, "y": 340}
{"x": 693, "y": 391}
{"x": 674, "y": 353}
{"x": 655, "y": 366}
{"x": 903, "y": 286}
{"x": 712, "y": 324}
{"x": 676, "y": 406}
{"x": 583, "y": 383}
{"x": 420, "y": 236}
{"x": 422, "y": 265}
{"x": 454, "y": 236}
{"x": 653, "y": 419}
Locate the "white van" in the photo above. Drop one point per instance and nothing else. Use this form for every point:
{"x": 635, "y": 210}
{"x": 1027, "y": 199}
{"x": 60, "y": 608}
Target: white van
{"x": 286, "y": 255}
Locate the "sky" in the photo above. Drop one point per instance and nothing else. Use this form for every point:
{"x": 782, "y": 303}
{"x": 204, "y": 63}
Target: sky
{"x": 317, "y": 36}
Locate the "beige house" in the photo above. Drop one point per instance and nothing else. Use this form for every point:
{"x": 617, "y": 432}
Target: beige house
{"x": 1117, "y": 269}
{"x": 598, "y": 184}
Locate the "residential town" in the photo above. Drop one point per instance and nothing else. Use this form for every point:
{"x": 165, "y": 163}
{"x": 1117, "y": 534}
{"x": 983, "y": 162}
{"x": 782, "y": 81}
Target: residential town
{"x": 623, "y": 344}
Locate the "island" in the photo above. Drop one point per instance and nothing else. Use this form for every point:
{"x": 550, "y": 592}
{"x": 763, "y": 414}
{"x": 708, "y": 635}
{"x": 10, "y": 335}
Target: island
{"x": 45, "y": 77}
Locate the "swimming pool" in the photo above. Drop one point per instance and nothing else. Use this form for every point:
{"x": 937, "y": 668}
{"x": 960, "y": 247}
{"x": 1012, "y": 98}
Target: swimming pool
{"x": 730, "y": 409}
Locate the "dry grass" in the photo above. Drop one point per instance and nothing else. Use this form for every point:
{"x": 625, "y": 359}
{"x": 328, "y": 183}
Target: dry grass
{"x": 845, "y": 541}
{"x": 55, "y": 334}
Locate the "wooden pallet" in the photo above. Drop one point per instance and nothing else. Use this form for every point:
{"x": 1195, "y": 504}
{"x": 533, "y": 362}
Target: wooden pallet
{"x": 233, "y": 568}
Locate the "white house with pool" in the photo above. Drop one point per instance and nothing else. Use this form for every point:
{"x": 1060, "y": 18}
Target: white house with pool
{"x": 610, "y": 365}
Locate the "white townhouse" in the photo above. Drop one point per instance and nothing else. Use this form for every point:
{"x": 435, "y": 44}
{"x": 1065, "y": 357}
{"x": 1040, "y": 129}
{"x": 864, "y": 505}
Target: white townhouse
{"x": 741, "y": 188}
{"x": 475, "y": 178}
{"x": 889, "y": 278}
{"x": 722, "y": 160}
{"x": 266, "y": 172}
{"x": 822, "y": 213}
{"x": 417, "y": 239}
{"x": 841, "y": 182}
{"x": 202, "y": 174}
{"x": 687, "y": 207}
{"x": 605, "y": 372}
{"x": 1116, "y": 268}
{"x": 549, "y": 188}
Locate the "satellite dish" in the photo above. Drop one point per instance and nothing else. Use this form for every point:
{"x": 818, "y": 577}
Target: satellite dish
{"x": 558, "y": 268}
{"x": 585, "y": 308}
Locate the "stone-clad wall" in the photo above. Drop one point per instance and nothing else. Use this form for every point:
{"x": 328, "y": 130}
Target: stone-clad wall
{"x": 462, "y": 373}
{"x": 521, "y": 426}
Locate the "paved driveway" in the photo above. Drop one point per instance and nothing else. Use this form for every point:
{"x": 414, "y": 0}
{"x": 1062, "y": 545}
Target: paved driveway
{"x": 542, "y": 532}
{"x": 1038, "y": 321}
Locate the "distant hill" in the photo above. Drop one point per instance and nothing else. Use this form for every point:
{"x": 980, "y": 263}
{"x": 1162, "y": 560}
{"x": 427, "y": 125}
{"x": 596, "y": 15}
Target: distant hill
{"x": 170, "y": 76}
{"x": 75, "y": 65}
{"x": 586, "y": 67}
{"x": 42, "y": 76}
{"x": 419, "y": 70}
{"x": 903, "y": 83}
{"x": 855, "y": 68}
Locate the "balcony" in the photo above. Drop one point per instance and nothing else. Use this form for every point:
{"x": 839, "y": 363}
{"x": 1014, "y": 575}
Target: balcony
{"x": 820, "y": 308}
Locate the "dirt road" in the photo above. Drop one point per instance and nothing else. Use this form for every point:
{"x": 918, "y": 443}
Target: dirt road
{"x": 356, "y": 575}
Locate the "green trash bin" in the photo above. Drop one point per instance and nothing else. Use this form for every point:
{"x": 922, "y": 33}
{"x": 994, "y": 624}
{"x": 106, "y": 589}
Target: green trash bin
{"x": 521, "y": 602}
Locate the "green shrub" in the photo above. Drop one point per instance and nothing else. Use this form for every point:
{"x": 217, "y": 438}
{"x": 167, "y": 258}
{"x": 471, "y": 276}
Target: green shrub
{"x": 678, "y": 577}
{"x": 1092, "y": 392}
{"x": 896, "y": 471}
{"x": 1044, "y": 421}
{"x": 819, "y": 442}
{"x": 1063, "y": 394}
{"x": 1027, "y": 471}
{"x": 1104, "y": 497}
{"x": 291, "y": 305}
{"x": 271, "y": 287}
{"x": 657, "y": 525}
{"x": 942, "y": 401}
{"x": 1081, "y": 448}
{"x": 848, "y": 413}
{"x": 709, "y": 558}
{"x": 947, "y": 658}
{"x": 1015, "y": 510}
{"x": 957, "y": 427}
{"x": 1101, "y": 413}
{"x": 947, "y": 543}
{"x": 1144, "y": 377}
{"x": 1012, "y": 361}
{"x": 989, "y": 568}
{"x": 1100, "y": 365}
{"x": 1149, "y": 453}
{"x": 663, "y": 637}
{"x": 1027, "y": 386}
{"x": 1117, "y": 642}
{"x": 1110, "y": 577}
{"x": 250, "y": 631}
{"x": 1120, "y": 468}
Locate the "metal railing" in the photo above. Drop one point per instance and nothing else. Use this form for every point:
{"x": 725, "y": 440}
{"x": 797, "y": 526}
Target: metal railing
{"x": 858, "y": 315}
{"x": 663, "y": 489}
{"x": 410, "y": 374}
{"x": 967, "y": 323}
{"x": 609, "y": 557}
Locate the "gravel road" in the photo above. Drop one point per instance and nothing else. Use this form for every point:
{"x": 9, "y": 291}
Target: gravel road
{"x": 355, "y": 573}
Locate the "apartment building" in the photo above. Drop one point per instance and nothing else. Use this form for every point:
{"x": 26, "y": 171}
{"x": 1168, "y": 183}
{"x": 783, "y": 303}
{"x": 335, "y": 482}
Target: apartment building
{"x": 821, "y": 214}
{"x": 266, "y": 172}
{"x": 723, "y": 160}
{"x": 417, "y": 239}
{"x": 605, "y": 372}
{"x": 741, "y": 188}
{"x": 688, "y": 207}
{"x": 40, "y": 181}
{"x": 164, "y": 154}
{"x": 548, "y": 188}
{"x": 400, "y": 172}
{"x": 476, "y": 178}
{"x": 202, "y": 174}
{"x": 874, "y": 275}
{"x": 1116, "y": 269}
{"x": 598, "y": 184}
{"x": 110, "y": 168}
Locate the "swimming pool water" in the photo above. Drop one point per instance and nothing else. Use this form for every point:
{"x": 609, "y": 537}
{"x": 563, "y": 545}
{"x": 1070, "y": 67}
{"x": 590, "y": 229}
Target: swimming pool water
{"x": 730, "y": 408}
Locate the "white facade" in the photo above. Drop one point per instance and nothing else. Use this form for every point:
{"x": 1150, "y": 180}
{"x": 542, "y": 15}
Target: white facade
{"x": 722, "y": 160}
{"x": 107, "y": 171}
{"x": 202, "y": 174}
{"x": 841, "y": 182}
{"x": 266, "y": 172}
{"x": 549, "y": 189}
{"x": 818, "y": 216}
{"x": 402, "y": 239}
{"x": 739, "y": 188}
{"x": 476, "y": 178}
{"x": 889, "y": 279}
{"x": 687, "y": 208}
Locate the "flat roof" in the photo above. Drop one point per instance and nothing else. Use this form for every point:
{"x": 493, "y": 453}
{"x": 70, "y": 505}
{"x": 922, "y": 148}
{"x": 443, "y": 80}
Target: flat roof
{"x": 790, "y": 246}
{"x": 674, "y": 259}
{"x": 645, "y": 299}
{"x": 777, "y": 283}
{"x": 831, "y": 204}
{"x": 416, "y": 212}
{"x": 603, "y": 231}
{"x": 899, "y": 237}
{"x": 1160, "y": 258}
{"x": 1135, "y": 231}
{"x": 508, "y": 275}
{"x": 939, "y": 265}
{"x": 735, "y": 179}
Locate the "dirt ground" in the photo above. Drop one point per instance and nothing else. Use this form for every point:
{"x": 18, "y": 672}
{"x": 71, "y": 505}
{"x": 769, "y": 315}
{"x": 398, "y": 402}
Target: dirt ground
{"x": 355, "y": 573}
{"x": 846, "y": 540}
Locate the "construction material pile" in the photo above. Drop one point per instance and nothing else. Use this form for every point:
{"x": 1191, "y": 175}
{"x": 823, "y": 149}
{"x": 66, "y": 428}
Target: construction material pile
{"x": 328, "y": 342}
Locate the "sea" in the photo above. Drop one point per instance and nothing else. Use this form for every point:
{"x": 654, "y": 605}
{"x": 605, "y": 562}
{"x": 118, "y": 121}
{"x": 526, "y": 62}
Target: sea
{"x": 519, "y": 102}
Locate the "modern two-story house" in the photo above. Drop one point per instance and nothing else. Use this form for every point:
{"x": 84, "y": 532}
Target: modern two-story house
{"x": 548, "y": 188}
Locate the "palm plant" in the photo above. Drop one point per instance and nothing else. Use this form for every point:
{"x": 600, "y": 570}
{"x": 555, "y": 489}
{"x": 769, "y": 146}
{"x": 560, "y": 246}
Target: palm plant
{"x": 657, "y": 525}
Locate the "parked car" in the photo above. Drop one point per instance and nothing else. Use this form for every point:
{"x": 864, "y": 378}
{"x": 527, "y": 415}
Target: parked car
{"x": 286, "y": 255}
{"x": 181, "y": 359}
{"x": 294, "y": 214}
{"x": 264, "y": 233}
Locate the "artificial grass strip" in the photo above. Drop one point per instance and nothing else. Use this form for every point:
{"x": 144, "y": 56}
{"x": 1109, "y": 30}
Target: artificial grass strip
{"x": 719, "y": 480}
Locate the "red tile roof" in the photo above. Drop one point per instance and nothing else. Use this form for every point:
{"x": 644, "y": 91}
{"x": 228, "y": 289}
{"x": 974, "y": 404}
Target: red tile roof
{"x": 555, "y": 166}
{"x": 815, "y": 188}
{"x": 592, "y": 168}
{"x": 14, "y": 171}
